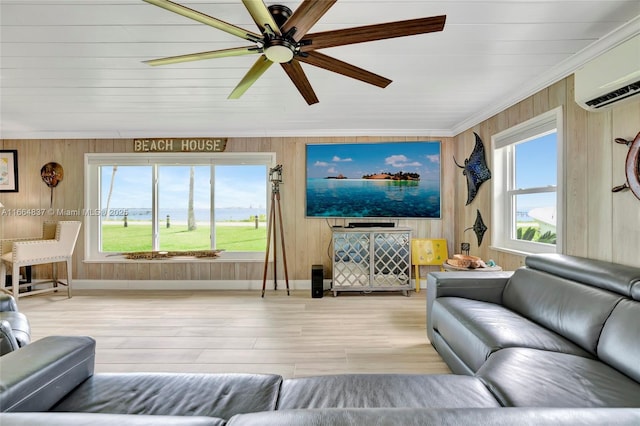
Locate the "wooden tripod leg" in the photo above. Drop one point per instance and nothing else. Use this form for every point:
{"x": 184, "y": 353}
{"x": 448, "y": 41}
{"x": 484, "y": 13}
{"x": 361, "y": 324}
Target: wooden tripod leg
{"x": 266, "y": 259}
{"x": 275, "y": 246}
{"x": 284, "y": 253}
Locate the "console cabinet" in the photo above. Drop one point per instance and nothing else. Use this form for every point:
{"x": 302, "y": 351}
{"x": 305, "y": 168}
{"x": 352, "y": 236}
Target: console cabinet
{"x": 371, "y": 259}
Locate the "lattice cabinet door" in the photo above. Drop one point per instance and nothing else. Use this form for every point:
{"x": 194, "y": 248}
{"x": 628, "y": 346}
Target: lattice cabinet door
{"x": 351, "y": 255}
{"x": 371, "y": 260}
{"x": 392, "y": 262}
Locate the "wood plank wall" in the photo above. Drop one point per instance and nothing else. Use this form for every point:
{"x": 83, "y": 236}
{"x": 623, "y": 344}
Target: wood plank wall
{"x": 306, "y": 239}
{"x": 598, "y": 223}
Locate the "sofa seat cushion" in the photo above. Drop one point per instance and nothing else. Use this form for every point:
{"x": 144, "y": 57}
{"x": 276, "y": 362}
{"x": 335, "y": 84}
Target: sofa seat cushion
{"x": 385, "y": 390}
{"x": 522, "y": 377}
{"x": 173, "y": 394}
{"x": 451, "y": 417}
{"x": 474, "y": 330}
{"x": 93, "y": 419}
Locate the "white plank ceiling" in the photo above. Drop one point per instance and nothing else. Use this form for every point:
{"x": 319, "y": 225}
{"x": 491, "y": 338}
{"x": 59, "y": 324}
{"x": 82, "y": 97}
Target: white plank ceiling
{"x": 73, "y": 68}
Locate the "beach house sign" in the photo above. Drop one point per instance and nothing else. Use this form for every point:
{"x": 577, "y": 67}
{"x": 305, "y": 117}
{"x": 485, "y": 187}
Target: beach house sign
{"x": 179, "y": 145}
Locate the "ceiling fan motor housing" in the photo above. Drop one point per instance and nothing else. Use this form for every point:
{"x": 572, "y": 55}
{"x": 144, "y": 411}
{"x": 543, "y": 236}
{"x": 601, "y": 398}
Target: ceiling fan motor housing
{"x": 279, "y": 49}
{"x": 280, "y": 13}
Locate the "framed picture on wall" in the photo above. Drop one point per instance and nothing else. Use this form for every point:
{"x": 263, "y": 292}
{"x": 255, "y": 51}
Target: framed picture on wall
{"x": 392, "y": 180}
{"x": 8, "y": 170}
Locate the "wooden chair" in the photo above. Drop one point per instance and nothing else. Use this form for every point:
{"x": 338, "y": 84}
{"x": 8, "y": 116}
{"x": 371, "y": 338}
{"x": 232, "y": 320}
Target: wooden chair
{"x": 53, "y": 247}
{"x": 427, "y": 251}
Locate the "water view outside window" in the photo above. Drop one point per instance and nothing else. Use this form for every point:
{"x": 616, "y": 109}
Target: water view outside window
{"x": 534, "y": 194}
{"x": 184, "y": 207}
{"x": 241, "y": 207}
{"x": 125, "y": 194}
{"x": 189, "y": 198}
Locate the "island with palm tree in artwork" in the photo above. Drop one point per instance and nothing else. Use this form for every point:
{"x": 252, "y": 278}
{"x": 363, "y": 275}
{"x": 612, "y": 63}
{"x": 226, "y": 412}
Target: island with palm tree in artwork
{"x": 394, "y": 176}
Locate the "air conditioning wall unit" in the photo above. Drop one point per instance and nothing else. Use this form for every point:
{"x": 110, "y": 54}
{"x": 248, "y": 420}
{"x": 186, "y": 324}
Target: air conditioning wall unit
{"x": 610, "y": 78}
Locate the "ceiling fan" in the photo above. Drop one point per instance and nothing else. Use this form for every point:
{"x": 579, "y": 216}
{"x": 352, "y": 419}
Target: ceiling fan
{"x": 284, "y": 39}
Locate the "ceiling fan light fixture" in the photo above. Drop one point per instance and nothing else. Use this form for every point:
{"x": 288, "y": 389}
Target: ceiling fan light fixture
{"x": 279, "y": 50}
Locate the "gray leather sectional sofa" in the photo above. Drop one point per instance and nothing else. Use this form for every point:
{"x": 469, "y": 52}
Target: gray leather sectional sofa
{"x": 562, "y": 331}
{"x": 52, "y": 382}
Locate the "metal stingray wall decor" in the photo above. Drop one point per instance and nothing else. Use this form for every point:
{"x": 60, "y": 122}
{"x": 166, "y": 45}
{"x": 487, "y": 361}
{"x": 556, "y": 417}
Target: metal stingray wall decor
{"x": 478, "y": 227}
{"x": 632, "y": 166}
{"x": 475, "y": 169}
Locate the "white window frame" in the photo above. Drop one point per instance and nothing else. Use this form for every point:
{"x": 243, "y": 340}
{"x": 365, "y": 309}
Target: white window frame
{"x": 93, "y": 161}
{"x": 503, "y": 186}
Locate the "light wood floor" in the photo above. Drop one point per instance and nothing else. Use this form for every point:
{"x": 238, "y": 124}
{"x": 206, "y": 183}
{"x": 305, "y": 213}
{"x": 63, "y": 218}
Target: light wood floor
{"x": 238, "y": 331}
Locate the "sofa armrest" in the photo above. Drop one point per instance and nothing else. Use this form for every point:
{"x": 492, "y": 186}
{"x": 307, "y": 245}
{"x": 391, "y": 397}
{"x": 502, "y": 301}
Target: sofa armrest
{"x": 19, "y": 326}
{"x": 8, "y": 342}
{"x": 36, "y": 376}
{"x": 7, "y": 302}
{"x": 484, "y": 286}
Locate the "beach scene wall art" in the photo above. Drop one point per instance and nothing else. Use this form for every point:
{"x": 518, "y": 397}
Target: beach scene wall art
{"x": 373, "y": 180}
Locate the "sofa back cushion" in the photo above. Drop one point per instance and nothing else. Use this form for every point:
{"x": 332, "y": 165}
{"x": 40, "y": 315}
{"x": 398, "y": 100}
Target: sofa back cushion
{"x": 619, "y": 344}
{"x": 574, "y": 310}
{"x": 622, "y": 279}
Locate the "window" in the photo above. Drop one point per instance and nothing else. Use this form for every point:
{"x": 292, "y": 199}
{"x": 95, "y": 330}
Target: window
{"x": 169, "y": 202}
{"x": 527, "y": 186}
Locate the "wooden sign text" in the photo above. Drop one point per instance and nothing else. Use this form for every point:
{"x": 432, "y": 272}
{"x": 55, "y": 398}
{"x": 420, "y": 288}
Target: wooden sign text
{"x": 179, "y": 145}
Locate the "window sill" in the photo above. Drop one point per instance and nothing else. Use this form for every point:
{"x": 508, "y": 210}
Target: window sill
{"x": 517, "y": 252}
{"x": 224, "y": 257}
{"x": 510, "y": 251}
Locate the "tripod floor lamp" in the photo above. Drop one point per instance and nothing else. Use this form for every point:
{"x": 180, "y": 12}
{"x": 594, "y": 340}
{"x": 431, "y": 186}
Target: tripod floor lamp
{"x": 275, "y": 176}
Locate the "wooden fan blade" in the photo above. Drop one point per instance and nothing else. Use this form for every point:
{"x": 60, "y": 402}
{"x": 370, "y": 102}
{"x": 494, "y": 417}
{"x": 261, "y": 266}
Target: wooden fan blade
{"x": 258, "y": 68}
{"x": 296, "y": 74}
{"x": 237, "y": 51}
{"x": 374, "y": 32}
{"x": 328, "y": 63}
{"x": 261, "y": 15}
{"x": 306, "y": 15}
{"x": 205, "y": 19}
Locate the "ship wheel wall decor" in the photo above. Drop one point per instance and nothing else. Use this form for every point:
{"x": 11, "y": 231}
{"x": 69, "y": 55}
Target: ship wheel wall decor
{"x": 632, "y": 166}
{"x": 284, "y": 39}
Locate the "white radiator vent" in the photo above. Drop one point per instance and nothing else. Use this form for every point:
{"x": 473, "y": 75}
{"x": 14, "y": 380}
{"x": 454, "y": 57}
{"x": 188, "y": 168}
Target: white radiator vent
{"x": 611, "y": 78}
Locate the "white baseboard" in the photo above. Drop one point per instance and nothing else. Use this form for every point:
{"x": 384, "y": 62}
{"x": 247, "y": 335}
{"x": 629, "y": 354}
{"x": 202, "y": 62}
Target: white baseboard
{"x": 196, "y": 284}
{"x": 187, "y": 285}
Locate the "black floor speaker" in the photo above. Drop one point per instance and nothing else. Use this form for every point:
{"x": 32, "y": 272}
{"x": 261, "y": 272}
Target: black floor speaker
{"x": 317, "y": 281}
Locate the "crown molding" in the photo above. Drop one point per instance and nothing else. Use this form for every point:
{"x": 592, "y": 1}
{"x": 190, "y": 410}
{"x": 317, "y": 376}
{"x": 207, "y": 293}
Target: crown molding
{"x": 557, "y": 73}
